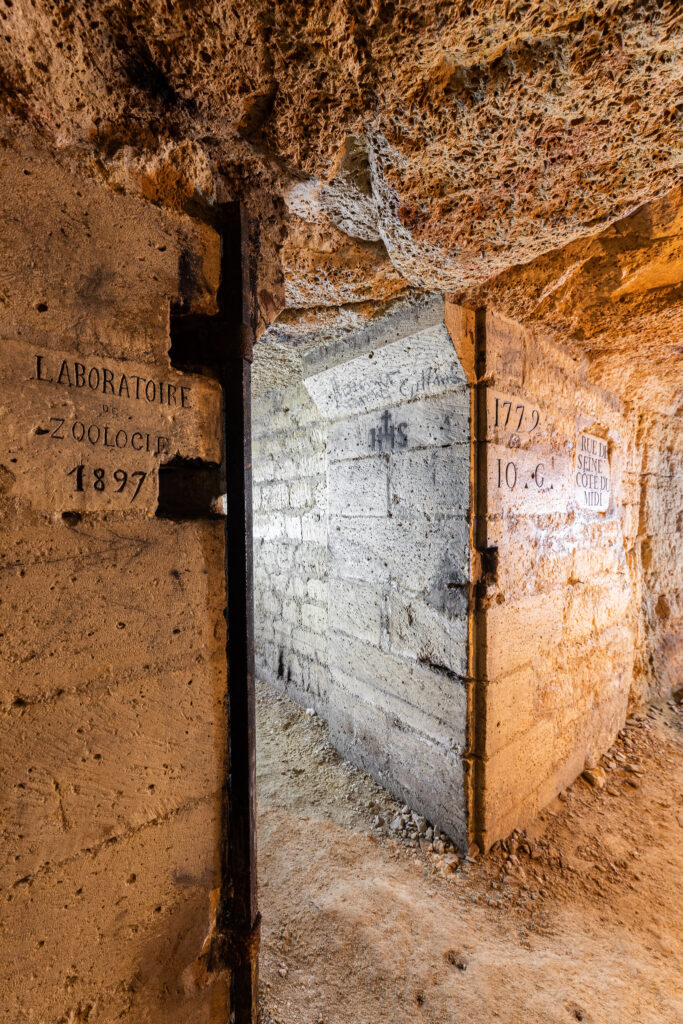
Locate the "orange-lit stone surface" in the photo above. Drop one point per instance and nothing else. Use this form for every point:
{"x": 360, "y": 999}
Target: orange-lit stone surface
{"x": 112, "y": 663}
{"x": 562, "y": 609}
{"x": 524, "y": 156}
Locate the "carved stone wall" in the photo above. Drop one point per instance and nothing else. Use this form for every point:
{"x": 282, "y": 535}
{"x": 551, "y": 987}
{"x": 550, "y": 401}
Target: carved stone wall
{"x": 582, "y": 586}
{"x": 376, "y": 638}
{"x": 289, "y": 438}
{"x": 660, "y": 549}
{"x": 112, "y": 678}
{"x": 562, "y": 607}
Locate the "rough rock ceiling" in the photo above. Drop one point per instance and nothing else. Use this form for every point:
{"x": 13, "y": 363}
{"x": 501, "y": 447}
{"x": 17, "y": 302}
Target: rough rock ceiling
{"x": 616, "y": 296}
{"x": 390, "y": 147}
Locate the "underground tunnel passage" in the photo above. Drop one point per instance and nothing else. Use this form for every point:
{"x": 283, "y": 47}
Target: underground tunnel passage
{"x": 466, "y": 566}
{"x": 441, "y": 246}
{"x": 362, "y": 565}
{"x": 441, "y": 562}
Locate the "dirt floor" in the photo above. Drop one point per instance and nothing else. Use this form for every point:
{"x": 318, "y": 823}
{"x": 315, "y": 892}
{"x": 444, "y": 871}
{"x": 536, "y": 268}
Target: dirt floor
{"x": 579, "y": 919}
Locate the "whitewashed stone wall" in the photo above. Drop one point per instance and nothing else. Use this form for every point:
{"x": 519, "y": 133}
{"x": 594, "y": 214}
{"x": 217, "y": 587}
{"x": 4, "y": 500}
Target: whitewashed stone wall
{"x": 361, "y": 556}
{"x": 290, "y": 544}
{"x": 398, "y": 495}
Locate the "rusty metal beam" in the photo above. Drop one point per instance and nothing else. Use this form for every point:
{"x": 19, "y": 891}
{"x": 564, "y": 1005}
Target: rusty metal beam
{"x": 222, "y": 345}
{"x": 238, "y": 917}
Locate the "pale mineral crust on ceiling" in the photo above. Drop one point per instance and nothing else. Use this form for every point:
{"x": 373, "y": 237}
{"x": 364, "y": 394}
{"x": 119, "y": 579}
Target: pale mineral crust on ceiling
{"x": 385, "y": 147}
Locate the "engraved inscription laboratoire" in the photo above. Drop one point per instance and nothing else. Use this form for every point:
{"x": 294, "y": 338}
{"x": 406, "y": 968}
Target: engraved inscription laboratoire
{"x": 105, "y": 381}
{"x": 87, "y": 432}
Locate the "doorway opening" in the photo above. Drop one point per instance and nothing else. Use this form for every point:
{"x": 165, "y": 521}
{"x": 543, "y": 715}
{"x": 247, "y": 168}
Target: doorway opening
{"x": 376, "y": 906}
{"x": 361, "y": 481}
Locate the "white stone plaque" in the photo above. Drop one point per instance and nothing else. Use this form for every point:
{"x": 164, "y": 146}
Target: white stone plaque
{"x": 592, "y": 473}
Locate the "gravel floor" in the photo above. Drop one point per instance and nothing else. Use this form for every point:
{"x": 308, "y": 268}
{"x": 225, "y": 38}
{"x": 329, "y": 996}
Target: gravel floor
{"x": 577, "y": 919}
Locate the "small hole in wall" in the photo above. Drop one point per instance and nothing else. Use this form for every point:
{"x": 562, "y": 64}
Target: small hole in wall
{"x": 41, "y": 307}
{"x": 189, "y": 489}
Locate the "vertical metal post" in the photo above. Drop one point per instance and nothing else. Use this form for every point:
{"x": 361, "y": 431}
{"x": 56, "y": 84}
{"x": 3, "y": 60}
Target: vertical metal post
{"x": 477, "y": 703}
{"x": 238, "y": 918}
{"x": 222, "y": 345}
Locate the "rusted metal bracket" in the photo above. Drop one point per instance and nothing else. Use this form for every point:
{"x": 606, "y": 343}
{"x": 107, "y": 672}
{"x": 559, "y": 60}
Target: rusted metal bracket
{"x": 235, "y": 948}
{"x": 247, "y": 342}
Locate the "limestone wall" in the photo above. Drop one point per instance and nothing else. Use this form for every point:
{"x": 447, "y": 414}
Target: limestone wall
{"x": 363, "y": 517}
{"x": 562, "y": 613}
{"x": 289, "y": 438}
{"x": 112, "y": 679}
{"x": 660, "y": 533}
{"x": 362, "y": 556}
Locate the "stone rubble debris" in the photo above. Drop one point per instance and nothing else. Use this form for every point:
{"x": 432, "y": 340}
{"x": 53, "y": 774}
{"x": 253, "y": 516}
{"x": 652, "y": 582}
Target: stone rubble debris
{"x": 595, "y": 777}
{"x": 415, "y": 831}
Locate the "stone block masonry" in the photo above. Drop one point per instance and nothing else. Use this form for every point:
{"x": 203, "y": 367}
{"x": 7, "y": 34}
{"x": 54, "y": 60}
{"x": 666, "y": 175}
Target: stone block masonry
{"x": 290, "y": 544}
{"x": 472, "y": 651}
{"x": 398, "y": 707}
{"x": 368, "y": 622}
{"x": 560, "y": 612}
